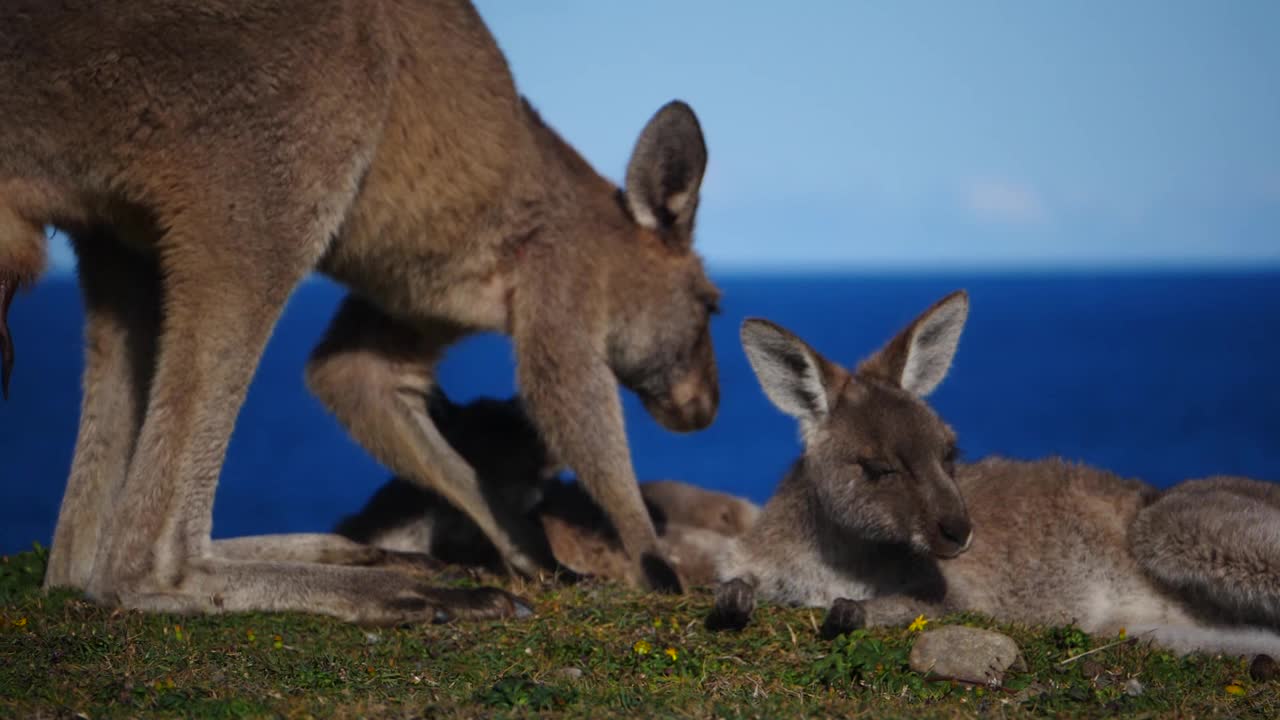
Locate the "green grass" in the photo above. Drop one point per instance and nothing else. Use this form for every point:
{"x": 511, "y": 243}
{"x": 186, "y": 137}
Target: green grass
{"x": 62, "y": 656}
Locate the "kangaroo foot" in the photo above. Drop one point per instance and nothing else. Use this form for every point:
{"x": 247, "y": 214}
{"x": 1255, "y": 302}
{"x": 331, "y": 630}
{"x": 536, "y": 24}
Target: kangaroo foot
{"x": 475, "y": 604}
{"x": 362, "y": 595}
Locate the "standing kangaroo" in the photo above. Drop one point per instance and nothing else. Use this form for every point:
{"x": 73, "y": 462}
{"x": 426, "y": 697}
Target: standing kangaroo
{"x": 877, "y": 521}
{"x": 206, "y": 155}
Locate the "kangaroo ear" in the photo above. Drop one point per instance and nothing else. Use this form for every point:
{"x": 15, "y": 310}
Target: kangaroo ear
{"x": 794, "y": 376}
{"x": 666, "y": 169}
{"x": 918, "y": 358}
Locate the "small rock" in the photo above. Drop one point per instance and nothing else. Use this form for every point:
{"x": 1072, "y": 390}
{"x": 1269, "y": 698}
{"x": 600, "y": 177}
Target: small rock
{"x": 568, "y": 673}
{"x": 372, "y": 638}
{"x": 1134, "y": 687}
{"x": 1263, "y": 669}
{"x": 964, "y": 653}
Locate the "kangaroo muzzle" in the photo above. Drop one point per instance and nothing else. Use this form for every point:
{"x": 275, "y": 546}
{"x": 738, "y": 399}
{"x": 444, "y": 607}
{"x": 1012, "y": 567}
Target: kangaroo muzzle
{"x": 952, "y": 536}
{"x": 688, "y": 405}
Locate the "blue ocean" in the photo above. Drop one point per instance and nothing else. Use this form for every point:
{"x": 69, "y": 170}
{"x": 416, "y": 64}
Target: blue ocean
{"x": 1159, "y": 375}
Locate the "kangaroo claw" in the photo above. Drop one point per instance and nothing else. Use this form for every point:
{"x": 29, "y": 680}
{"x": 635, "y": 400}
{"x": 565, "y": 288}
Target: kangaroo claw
{"x": 8, "y": 286}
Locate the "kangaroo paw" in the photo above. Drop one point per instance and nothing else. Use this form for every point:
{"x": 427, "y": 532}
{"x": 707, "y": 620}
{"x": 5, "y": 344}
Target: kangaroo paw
{"x": 735, "y": 601}
{"x": 8, "y": 286}
{"x": 844, "y": 616}
{"x": 659, "y": 575}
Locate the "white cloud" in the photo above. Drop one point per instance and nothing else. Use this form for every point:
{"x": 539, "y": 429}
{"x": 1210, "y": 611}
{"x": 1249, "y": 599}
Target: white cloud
{"x": 1004, "y": 201}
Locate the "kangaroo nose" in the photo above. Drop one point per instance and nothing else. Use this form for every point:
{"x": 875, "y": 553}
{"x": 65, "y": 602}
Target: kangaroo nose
{"x": 704, "y": 409}
{"x": 956, "y": 529}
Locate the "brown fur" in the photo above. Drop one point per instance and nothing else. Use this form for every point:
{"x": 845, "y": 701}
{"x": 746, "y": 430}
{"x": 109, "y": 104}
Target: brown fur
{"x": 207, "y": 154}
{"x": 495, "y": 437}
{"x": 1194, "y": 568}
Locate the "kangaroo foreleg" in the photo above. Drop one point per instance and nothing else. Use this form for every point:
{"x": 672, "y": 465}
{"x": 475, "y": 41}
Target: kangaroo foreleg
{"x": 572, "y": 397}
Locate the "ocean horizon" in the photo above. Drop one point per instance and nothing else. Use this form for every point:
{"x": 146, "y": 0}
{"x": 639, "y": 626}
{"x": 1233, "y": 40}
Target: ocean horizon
{"x": 1162, "y": 375}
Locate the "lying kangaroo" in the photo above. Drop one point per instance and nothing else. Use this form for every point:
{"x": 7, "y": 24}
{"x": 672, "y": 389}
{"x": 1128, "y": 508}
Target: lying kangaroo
{"x": 206, "y": 155}
{"x": 517, "y": 472}
{"x": 878, "y": 521}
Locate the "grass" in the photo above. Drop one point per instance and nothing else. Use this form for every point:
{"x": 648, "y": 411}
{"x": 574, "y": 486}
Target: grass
{"x": 592, "y": 650}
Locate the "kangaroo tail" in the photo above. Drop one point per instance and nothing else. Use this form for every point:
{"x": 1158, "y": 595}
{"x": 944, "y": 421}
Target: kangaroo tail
{"x": 1215, "y": 543}
{"x": 23, "y": 255}
{"x": 1241, "y": 640}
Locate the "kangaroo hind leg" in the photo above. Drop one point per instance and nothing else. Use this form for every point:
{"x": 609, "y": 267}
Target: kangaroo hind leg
{"x": 225, "y": 284}
{"x": 1216, "y": 543}
{"x": 121, "y": 293}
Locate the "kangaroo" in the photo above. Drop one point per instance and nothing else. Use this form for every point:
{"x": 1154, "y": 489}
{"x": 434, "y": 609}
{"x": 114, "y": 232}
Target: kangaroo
{"x": 516, "y": 471}
{"x": 512, "y": 464}
{"x": 877, "y": 521}
{"x": 205, "y": 155}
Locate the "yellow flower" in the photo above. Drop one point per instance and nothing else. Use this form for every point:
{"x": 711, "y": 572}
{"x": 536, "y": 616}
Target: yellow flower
{"x": 1234, "y": 689}
{"x": 657, "y": 622}
{"x": 250, "y": 635}
{"x": 277, "y": 642}
{"x": 20, "y": 622}
{"x": 918, "y": 624}
{"x": 642, "y": 647}
{"x": 671, "y": 653}
{"x": 1123, "y": 634}
{"x": 177, "y": 632}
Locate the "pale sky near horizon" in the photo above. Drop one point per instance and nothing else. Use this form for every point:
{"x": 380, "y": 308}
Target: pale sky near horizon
{"x": 930, "y": 135}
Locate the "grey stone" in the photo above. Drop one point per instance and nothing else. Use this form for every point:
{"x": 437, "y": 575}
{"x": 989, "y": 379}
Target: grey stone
{"x": 963, "y": 653}
{"x": 568, "y": 673}
{"x": 1134, "y": 687}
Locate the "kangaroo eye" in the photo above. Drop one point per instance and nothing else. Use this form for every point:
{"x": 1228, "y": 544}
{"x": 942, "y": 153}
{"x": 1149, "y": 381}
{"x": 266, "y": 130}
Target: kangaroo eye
{"x": 875, "y": 469}
{"x": 710, "y": 300}
{"x": 949, "y": 460}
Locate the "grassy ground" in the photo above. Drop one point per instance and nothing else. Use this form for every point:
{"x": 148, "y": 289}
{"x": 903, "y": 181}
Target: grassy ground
{"x": 592, "y": 650}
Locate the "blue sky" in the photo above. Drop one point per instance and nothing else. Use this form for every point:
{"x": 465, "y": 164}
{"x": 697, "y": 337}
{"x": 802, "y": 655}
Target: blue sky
{"x": 930, "y": 135}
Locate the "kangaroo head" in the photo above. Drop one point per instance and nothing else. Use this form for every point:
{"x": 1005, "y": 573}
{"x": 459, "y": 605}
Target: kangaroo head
{"x": 878, "y": 459}
{"x": 660, "y": 299}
